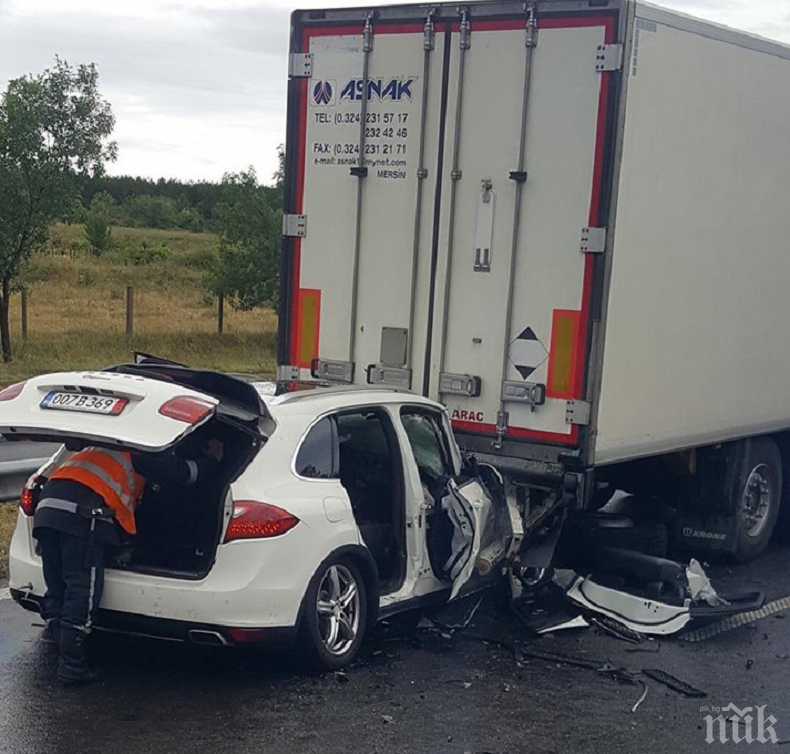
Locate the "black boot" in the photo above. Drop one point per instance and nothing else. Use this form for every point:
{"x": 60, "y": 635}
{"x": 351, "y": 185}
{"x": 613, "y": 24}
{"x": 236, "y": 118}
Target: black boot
{"x": 51, "y": 634}
{"x": 73, "y": 667}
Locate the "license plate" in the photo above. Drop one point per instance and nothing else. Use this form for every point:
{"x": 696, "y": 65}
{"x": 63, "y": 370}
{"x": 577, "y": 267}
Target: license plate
{"x": 90, "y": 404}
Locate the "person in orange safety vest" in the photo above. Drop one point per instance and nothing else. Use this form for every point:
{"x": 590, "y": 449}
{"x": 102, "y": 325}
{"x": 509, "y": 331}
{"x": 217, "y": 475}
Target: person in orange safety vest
{"x": 87, "y": 503}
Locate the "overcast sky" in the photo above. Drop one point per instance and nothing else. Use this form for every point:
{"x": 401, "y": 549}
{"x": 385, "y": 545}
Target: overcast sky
{"x": 198, "y": 87}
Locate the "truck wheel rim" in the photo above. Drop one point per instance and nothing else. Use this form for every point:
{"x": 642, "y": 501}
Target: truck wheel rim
{"x": 756, "y": 501}
{"x": 338, "y": 609}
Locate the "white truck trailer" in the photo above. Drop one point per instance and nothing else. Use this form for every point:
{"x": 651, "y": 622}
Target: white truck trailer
{"x": 567, "y": 220}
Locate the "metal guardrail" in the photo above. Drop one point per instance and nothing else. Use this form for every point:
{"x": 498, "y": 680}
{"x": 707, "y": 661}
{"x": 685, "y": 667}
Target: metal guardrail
{"x": 14, "y": 474}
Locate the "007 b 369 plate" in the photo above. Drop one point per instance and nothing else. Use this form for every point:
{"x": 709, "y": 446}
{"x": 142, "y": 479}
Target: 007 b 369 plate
{"x": 90, "y": 404}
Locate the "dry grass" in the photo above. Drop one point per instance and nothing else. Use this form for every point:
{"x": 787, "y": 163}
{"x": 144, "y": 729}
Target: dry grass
{"x": 7, "y": 524}
{"x": 76, "y": 316}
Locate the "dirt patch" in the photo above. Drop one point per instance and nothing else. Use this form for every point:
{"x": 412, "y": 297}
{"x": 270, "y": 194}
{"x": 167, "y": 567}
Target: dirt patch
{"x": 7, "y": 524}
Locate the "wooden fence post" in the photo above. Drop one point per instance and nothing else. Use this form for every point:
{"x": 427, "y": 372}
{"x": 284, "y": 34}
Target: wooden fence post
{"x": 24, "y": 314}
{"x": 220, "y": 314}
{"x": 129, "y": 310}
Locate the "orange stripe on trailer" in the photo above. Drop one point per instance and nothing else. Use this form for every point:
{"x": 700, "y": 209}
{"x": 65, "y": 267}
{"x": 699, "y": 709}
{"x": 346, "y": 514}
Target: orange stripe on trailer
{"x": 308, "y": 326}
{"x": 565, "y": 333}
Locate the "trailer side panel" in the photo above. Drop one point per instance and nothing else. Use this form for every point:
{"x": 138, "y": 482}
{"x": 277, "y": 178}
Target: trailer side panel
{"x": 697, "y": 349}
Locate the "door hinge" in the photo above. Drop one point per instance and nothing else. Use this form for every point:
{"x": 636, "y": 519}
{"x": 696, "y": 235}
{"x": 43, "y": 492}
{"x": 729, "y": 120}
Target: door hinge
{"x": 300, "y": 65}
{"x": 608, "y": 58}
{"x": 287, "y": 373}
{"x": 533, "y": 393}
{"x": 382, "y": 374}
{"x": 593, "y": 241}
{"x": 333, "y": 371}
{"x": 577, "y": 412}
{"x": 460, "y": 384}
{"x": 295, "y": 226}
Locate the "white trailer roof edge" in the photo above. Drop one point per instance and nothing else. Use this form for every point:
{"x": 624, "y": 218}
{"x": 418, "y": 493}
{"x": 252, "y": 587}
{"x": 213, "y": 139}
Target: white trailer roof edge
{"x": 711, "y": 30}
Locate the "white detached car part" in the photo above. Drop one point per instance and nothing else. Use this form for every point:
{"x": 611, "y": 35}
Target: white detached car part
{"x": 331, "y": 509}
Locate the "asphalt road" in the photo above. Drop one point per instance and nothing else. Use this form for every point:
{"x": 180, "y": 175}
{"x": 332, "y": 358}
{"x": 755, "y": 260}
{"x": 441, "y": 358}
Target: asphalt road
{"x": 410, "y": 692}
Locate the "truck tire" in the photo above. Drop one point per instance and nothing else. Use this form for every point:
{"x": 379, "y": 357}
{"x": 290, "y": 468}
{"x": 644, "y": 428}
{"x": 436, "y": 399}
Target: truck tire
{"x": 757, "y": 499}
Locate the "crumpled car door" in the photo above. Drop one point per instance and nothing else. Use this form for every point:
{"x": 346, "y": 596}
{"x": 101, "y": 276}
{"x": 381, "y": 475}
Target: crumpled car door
{"x": 470, "y": 509}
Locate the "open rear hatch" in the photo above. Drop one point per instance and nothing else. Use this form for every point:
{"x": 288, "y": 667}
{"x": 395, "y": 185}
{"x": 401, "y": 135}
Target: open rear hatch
{"x": 152, "y": 408}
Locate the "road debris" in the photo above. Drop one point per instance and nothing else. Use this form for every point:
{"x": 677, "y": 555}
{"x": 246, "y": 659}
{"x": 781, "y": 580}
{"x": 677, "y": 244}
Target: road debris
{"x": 641, "y": 698}
{"x": 577, "y": 622}
{"x": 649, "y": 595}
{"x": 617, "y": 629}
{"x": 674, "y": 683}
{"x": 736, "y": 621}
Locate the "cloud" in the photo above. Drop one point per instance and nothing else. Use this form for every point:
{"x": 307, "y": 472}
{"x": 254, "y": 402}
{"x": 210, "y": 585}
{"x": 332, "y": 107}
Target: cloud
{"x": 183, "y": 80}
{"x": 198, "y": 87}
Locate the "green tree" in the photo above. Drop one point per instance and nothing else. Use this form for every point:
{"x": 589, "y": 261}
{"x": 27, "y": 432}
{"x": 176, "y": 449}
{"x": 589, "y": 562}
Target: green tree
{"x": 148, "y": 211}
{"x": 97, "y": 231}
{"x": 97, "y": 222}
{"x": 54, "y": 130}
{"x": 248, "y": 223}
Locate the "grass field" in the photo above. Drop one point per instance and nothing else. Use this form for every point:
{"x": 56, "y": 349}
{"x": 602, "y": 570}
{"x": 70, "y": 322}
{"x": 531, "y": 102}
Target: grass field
{"x": 76, "y": 309}
{"x": 7, "y": 524}
{"x": 77, "y": 314}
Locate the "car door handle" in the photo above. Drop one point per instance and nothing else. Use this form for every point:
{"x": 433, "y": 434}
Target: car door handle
{"x": 335, "y": 509}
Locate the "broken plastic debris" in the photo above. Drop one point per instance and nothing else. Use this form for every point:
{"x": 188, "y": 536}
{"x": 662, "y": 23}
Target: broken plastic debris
{"x": 577, "y": 622}
{"x": 645, "y": 616}
{"x": 641, "y": 698}
{"x": 700, "y": 588}
{"x": 615, "y": 628}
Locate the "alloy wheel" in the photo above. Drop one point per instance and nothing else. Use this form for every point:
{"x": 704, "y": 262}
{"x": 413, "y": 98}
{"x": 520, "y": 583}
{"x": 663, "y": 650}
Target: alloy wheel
{"x": 338, "y": 607}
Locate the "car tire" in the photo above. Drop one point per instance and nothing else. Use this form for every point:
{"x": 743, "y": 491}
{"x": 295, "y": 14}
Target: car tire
{"x": 757, "y": 499}
{"x": 334, "y": 615}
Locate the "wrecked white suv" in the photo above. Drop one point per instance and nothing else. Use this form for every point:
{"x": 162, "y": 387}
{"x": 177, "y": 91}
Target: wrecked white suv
{"x": 333, "y": 508}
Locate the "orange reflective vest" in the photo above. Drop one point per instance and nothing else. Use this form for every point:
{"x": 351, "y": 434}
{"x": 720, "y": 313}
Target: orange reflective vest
{"x": 110, "y": 474}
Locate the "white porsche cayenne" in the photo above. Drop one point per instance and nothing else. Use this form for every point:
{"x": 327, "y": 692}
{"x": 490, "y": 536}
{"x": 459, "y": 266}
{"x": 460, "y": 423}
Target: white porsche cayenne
{"x": 333, "y": 507}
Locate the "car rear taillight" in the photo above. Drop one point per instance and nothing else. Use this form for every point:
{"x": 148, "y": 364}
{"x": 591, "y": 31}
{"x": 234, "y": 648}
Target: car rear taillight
{"x": 28, "y": 500}
{"x": 186, "y": 409}
{"x": 255, "y": 520}
{"x": 12, "y": 391}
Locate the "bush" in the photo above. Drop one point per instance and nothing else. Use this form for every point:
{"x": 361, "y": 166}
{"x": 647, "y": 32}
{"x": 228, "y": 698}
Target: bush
{"x": 145, "y": 254}
{"x": 198, "y": 259}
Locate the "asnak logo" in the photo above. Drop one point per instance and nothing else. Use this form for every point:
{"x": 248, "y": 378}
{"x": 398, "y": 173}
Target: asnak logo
{"x": 394, "y": 89}
{"x": 324, "y": 93}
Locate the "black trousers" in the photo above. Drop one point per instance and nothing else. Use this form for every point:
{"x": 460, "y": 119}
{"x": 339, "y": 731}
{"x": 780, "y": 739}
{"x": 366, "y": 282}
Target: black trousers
{"x": 74, "y": 574}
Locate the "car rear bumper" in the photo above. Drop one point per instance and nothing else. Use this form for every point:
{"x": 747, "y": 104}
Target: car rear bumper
{"x": 207, "y": 634}
{"x": 251, "y": 586}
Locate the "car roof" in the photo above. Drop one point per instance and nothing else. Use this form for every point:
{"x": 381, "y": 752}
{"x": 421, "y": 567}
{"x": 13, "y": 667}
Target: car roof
{"x": 322, "y": 399}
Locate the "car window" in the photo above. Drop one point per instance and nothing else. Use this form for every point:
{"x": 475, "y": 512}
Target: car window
{"x": 362, "y": 433}
{"x": 427, "y": 444}
{"x": 317, "y": 457}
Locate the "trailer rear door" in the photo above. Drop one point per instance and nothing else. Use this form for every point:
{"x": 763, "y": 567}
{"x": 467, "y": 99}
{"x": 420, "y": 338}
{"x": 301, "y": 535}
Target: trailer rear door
{"x": 446, "y": 168}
